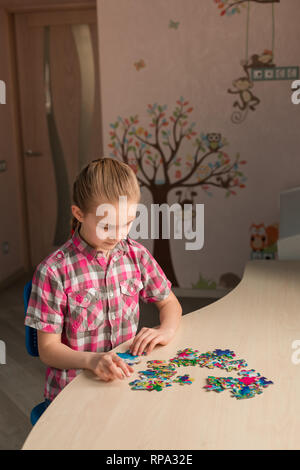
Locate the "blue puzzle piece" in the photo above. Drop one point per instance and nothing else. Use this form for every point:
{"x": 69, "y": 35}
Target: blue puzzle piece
{"x": 264, "y": 382}
{"x": 223, "y": 352}
{"x": 129, "y": 358}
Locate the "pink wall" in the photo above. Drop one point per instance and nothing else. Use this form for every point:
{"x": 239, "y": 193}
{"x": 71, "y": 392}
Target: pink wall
{"x": 199, "y": 59}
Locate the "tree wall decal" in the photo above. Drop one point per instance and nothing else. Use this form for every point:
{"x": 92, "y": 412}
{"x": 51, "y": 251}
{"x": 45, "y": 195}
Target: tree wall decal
{"x": 156, "y": 156}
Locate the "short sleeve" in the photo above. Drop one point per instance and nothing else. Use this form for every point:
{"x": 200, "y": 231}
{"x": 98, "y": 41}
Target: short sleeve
{"x": 47, "y": 301}
{"x": 156, "y": 285}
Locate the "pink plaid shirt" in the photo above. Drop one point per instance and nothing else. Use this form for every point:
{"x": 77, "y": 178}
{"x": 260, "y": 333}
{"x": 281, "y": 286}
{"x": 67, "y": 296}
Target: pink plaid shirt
{"x": 93, "y": 302}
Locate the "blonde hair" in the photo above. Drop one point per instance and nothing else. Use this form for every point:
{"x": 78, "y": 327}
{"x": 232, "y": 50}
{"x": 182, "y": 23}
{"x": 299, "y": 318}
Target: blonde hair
{"x": 105, "y": 180}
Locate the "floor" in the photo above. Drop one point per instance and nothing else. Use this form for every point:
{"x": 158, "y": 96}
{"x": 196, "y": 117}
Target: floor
{"x": 22, "y": 377}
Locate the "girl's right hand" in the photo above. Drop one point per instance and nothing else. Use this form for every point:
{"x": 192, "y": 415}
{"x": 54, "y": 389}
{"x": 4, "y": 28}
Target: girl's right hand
{"x": 109, "y": 366}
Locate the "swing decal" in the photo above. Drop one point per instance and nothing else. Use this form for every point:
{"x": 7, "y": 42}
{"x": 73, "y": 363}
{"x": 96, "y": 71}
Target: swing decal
{"x": 277, "y": 73}
{"x": 258, "y": 67}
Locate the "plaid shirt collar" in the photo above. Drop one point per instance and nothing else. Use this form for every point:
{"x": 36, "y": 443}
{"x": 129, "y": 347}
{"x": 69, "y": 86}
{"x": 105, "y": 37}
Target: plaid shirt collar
{"x": 87, "y": 250}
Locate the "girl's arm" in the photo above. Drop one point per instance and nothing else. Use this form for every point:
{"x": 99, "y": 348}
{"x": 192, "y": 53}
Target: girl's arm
{"x": 54, "y": 353}
{"x": 170, "y": 312}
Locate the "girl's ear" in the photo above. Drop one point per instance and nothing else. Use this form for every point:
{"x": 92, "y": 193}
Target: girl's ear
{"x": 77, "y": 213}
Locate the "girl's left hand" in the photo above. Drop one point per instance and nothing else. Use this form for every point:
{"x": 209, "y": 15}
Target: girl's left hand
{"x": 149, "y": 338}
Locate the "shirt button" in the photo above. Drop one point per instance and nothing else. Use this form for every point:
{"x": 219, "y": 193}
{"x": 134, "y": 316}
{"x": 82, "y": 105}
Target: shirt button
{"x": 111, "y": 294}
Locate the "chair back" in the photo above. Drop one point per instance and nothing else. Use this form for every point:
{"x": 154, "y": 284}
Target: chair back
{"x": 30, "y": 333}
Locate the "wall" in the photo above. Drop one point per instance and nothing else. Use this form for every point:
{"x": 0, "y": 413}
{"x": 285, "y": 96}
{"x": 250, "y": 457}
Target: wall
{"x": 159, "y": 51}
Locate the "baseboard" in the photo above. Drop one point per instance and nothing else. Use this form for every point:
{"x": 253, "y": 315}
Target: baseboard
{"x": 200, "y": 293}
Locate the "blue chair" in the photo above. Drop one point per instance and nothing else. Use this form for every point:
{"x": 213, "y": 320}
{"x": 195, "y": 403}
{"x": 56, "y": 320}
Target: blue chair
{"x": 31, "y": 341}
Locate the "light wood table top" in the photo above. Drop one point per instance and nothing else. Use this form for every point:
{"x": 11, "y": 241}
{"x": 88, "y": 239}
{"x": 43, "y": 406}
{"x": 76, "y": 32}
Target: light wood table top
{"x": 259, "y": 320}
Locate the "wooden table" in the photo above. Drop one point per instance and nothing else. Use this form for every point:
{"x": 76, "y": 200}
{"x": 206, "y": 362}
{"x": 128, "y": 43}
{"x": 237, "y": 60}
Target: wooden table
{"x": 259, "y": 320}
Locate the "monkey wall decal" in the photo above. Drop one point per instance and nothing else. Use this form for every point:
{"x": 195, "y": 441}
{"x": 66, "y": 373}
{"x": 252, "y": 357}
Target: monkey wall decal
{"x": 243, "y": 85}
{"x": 265, "y": 59}
{"x": 247, "y": 99}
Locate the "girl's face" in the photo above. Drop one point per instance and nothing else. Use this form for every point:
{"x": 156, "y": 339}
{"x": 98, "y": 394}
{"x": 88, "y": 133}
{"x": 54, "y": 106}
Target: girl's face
{"x": 106, "y": 224}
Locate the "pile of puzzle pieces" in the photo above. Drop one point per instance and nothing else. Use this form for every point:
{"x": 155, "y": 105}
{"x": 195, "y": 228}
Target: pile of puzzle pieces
{"x": 220, "y": 358}
{"x": 158, "y": 376}
{"x": 247, "y": 386}
{"x": 161, "y": 374}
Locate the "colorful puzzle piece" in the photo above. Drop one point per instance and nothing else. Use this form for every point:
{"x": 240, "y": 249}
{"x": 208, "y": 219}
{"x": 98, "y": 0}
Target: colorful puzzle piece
{"x": 186, "y": 357}
{"x": 183, "y": 380}
{"x": 149, "y": 384}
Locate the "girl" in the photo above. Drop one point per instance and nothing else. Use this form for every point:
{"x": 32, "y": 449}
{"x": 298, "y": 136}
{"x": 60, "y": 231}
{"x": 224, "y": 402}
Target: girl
{"x": 85, "y": 295}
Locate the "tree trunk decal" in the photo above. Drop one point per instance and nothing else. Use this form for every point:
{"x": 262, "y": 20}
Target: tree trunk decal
{"x": 159, "y": 149}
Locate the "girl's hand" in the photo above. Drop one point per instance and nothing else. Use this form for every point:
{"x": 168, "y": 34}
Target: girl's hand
{"x": 109, "y": 366}
{"x": 149, "y": 338}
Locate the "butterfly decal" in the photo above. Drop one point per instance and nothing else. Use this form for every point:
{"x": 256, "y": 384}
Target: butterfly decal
{"x": 173, "y": 24}
{"x": 140, "y": 64}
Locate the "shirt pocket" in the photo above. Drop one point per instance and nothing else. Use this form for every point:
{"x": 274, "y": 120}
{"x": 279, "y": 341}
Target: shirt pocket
{"x": 130, "y": 289}
{"x": 85, "y": 309}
